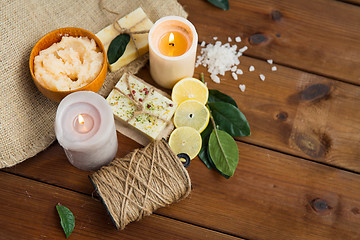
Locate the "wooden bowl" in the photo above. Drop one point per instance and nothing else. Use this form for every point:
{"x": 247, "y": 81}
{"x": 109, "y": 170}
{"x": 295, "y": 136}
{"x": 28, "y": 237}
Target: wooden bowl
{"x": 55, "y": 36}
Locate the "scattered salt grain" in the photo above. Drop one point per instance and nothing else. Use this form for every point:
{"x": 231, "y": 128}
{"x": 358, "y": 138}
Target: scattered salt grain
{"x": 239, "y": 71}
{"x": 274, "y": 68}
{"x": 270, "y": 61}
{"x": 229, "y": 39}
{"x": 205, "y": 83}
{"x": 251, "y": 68}
{"x": 235, "y": 77}
{"x": 215, "y": 38}
{"x": 238, "y": 39}
{"x": 243, "y": 49}
{"x": 215, "y": 78}
{"x": 233, "y": 69}
{"x": 262, "y": 77}
{"x": 242, "y": 87}
{"x": 202, "y": 44}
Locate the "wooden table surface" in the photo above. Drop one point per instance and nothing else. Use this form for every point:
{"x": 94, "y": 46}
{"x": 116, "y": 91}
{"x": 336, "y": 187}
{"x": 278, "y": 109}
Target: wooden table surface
{"x": 299, "y": 172}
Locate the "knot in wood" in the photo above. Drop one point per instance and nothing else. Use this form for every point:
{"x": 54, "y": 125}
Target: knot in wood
{"x": 276, "y": 15}
{"x": 281, "y": 116}
{"x": 320, "y": 206}
{"x": 315, "y": 92}
{"x": 257, "y": 38}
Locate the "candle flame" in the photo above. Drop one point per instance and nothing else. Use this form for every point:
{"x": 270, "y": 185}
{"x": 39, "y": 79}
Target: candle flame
{"x": 171, "y": 39}
{"x": 81, "y": 119}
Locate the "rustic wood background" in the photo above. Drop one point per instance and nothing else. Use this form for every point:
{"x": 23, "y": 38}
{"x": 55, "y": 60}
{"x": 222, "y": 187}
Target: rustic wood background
{"x": 298, "y": 174}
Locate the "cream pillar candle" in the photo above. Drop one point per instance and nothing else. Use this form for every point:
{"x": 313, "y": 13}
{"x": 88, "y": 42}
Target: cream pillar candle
{"x": 85, "y": 128}
{"x": 172, "y": 48}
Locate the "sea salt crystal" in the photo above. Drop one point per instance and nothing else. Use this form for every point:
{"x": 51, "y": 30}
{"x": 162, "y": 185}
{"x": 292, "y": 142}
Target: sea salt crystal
{"x": 270, "y": 61}
{"x": 243, "y": 49}
{"x": 202, "y": 44}
{"x": 205, "y": 83}
{"x": 274, "y": 68}
{"x": 262, "y": 77}
{"x": 233, "y": 69}
{"x": 215, "y": 38}
{"x": 215, "y": 78}
{"x": 235, "y": 77}
{"x": 229, "y": 39}
{"x": 242, "y": 87}
{"x": 239, "y": 71}
{"x": 251, "y": 68}
{"x": 218, "y": 59}
{"x": 238, "y": 39}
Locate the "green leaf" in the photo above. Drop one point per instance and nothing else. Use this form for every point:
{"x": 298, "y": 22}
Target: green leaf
{"x": 224, "y": 152}
{"x": 67, "y": 219}
{"x": 230, "y": 119}
{"x": 217, "y": 96}
{"x": 117, "y": 47}
{"x": 203, "y": 154}
{"x": 223, "y": 4}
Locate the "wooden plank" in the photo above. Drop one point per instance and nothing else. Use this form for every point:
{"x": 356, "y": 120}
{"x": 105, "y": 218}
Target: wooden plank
{"x": 271, "y": 196}
{"x": 296, "y": 112}
{"x": 28, "y": 212}
{"x": 317, "y": 36}
{"x": 274, "y": 196}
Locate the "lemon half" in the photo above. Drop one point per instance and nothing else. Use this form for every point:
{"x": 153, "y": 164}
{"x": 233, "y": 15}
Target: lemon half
{"x": 190, "y": 88}
{"x": 192, "y": 113}
{"x": 185, "y": 140}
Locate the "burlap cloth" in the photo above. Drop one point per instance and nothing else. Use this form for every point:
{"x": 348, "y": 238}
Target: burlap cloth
{"x": 27, "y": 117}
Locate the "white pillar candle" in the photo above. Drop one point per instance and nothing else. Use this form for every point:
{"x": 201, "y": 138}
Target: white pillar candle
{"x": 174, "y": 60}
{"x": 85, "y": 128}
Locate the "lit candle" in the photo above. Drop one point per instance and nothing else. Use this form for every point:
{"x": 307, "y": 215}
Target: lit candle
{"x": 85, "y": 128}
{"x": 172, "y": 47}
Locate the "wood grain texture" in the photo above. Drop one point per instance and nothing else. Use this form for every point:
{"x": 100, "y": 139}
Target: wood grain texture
{"x": 271, "y": 196}
{"x": 28, "y": 207}
{"x": 317, "y": 36}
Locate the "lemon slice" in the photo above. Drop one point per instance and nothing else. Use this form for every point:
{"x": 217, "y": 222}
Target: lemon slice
{"x": 190, "y": 88}
{"x": 185, "y": 140}
{"x": 192, "y": 113}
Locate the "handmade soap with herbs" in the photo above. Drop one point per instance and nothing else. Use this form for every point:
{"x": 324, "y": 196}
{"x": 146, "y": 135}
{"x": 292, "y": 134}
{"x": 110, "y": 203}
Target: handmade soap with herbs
{"x": 141, "y": 106}
{"x": 134, "y": 21}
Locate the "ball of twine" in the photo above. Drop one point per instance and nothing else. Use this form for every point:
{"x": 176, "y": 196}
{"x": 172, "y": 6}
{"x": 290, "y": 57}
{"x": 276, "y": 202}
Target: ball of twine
{"x": 143, "y": 181}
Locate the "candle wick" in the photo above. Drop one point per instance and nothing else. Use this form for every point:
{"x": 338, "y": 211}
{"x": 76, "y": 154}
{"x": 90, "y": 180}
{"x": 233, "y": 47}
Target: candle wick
{"x": 172, "y": 44}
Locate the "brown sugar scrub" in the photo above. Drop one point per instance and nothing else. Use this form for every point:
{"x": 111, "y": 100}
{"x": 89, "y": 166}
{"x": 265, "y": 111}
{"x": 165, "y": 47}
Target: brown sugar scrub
{"x": 69, "y": 64}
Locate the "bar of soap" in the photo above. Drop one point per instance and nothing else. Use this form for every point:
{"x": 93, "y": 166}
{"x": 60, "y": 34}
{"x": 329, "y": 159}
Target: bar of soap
{"x": 134, "y": 21}
{"x": 141, "y": 106}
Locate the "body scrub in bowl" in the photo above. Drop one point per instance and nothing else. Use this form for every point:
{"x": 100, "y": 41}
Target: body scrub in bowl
{"x": 69, "y": 64}
{"x": 68, "y": 60}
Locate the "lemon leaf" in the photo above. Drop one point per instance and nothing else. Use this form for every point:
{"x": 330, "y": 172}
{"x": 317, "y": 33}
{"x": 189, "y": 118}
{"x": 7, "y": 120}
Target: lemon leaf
{"x": 223, "y": 4}
{"x": 217, "y": 96}
{"x": 117, "y": 47}
{"x": 223, "y": 152}
{"x": 204, "y": 153}
{"x": 230, "y": 119}
{"x": 67, "y": 219}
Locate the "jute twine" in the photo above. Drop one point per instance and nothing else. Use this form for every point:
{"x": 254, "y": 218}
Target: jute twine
{"x": 143, "y": 181}
{"x": 27, "y": 117}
